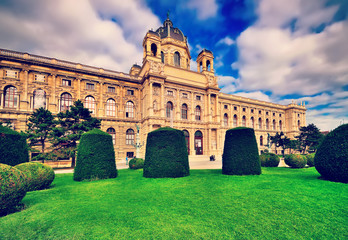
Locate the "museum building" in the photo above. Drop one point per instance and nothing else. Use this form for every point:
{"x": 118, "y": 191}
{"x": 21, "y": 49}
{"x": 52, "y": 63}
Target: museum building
{"x": 163, "y": 91}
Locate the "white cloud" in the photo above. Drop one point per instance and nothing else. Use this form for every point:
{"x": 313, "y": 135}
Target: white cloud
{"x": 205, "y": 8}
{"x": 258, "y": 95}
{"x": 227, "y": 84}
{"x": 226, "y": 40}
{"x": 58, "y": 29}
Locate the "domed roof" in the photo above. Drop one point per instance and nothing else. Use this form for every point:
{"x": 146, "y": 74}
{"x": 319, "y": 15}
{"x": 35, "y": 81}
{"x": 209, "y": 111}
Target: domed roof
{"x": 167, "y": 30}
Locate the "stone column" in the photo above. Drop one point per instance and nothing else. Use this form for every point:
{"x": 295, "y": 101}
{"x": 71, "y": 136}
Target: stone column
{"x": 150, "y": 100}
{"x": 163, "y": 107}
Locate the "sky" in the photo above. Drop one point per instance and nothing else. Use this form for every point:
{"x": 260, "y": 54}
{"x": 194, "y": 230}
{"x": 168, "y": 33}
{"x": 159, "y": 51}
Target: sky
{"x": 272, "y": 50}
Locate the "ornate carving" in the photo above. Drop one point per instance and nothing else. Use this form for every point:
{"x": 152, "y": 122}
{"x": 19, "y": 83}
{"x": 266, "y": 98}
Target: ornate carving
{"x": 156, "y": 67}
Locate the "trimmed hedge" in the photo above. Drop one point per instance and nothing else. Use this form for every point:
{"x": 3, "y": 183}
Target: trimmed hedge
{"x": 166, "y": 154}
{"x": 12, "y": 188}
{"x": 295, "y": 160}
{"x": 331, "y": 159}
{"x": 269, "y": 160}
{"x": 136, "y": 163}
{"x": 13, "y": 147}
{"x": 310, "y": 159}
{"x": 38, "y": 175}
{"x": 95, "y": 157}
{"x": 240, "y": 156}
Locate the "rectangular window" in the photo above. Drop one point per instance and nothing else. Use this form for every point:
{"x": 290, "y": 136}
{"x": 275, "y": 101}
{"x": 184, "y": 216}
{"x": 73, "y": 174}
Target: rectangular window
{"x": 66, "y": 82}
{"x": 198, "y": 98}
{"x": 111, "y": 89}
{"x": 170, "y": 93}
{"x": 267, "y": 113}
{"x": 243, "y": 109}
{"x": 184, "y": 95}
{"x": 89, "y": 86}
{"x": 235, "y": 108}
{"x": 225, "y": 107}
{"x": 11, "y": 73}
{"x": 40, "y": 78}
{"x": 260, "y": 112}
{"x": 252, "y": 110}
{"x": 130, "y": 92}
{"x": 273, "y": 114}
{"x": 280, "y": 114}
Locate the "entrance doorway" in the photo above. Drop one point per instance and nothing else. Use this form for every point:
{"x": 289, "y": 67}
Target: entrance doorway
{"x": 199, "y": 143}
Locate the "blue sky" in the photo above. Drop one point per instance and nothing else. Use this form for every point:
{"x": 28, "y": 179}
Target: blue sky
{"x": 272, "y": 50}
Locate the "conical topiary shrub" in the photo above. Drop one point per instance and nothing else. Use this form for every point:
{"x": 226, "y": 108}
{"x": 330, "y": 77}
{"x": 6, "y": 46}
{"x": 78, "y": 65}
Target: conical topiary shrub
{"x": 240, "y": 156}
{"x": 13, "y": 147}
{"x": 331, "y": 159}
{"x": 166, "y": 154}
{"x": 95, "y": 157}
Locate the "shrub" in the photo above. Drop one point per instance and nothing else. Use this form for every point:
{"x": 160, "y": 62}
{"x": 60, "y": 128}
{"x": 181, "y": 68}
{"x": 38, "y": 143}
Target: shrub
{"x": 310, "y": 159}
{"x": 240, "y": 156}
{"x": 95, "y": 157}
{"x": 166, "y": 154}
{"x": 295, "y": 160}
{"x": 136, "y": 163}
{"x": 38, "y": 175}
{"x": 13, "y": 147}
{"x": 12, "y": 188}
{"x": 269, "y": 160}
{"x": 331, "y": 159}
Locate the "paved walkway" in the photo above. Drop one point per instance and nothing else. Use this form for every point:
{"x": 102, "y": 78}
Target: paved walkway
{"x": 196, "y": 162}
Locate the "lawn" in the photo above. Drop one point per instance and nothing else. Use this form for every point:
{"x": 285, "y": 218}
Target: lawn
{"x": 281, "y": 203}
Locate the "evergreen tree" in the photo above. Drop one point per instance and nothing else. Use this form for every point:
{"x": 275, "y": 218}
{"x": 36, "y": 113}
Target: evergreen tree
{"x": 292, "y": 145}
{"x": 280, "y": 140}
{"x": 71, "y": 124}
{"x": 40, "y": 126}
{"x": 310, "y": 137}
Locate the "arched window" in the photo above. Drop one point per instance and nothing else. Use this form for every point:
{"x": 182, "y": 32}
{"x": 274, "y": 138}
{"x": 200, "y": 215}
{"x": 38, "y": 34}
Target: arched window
{"x": 154, "y": 49}
{"x": 162, "y": 57}
{"x": 200, "y": 67}
{"x": 10, "y": 97}
{"x": 252, "y": 122}
{"x": 280, "y": 125}
{"x": 177, "y": 59}
{"x": 267, "y": 124}
{"x": 184, "y": 111}
{"x": 111, "y": 107}
{"x": 65, "y": 101}
{"x": 198, "y": 113}
{"x": 199, "y": 143}
{"x": 235, "y": 120}
{"x": 112, "y": 132}
{"x": 129, "y": 109}
{"x": 274, "y": 125}
{"x": 208, "y": 66}
{"x": 169, "y": 109}
{"x": 187, "y": 138}
{"x": 225, "y": 120}
{"x": 244, "y": 121}
{"x": 39, "y": 99}
{"x": 90, "y": 104}
{"x": 260, "y": 123}
{"x": 130, "y": 137}
{"x": 261, "y": 141}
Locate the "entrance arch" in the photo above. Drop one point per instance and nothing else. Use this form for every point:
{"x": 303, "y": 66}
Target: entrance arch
{"x": 199, "y": 142}
{"x": 187, "y": 139}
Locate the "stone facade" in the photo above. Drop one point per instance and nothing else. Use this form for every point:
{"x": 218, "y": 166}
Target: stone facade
{"x": 161, "y": 92}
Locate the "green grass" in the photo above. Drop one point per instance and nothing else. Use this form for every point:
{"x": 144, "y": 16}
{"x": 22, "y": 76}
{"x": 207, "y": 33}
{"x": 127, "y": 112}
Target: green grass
{"x": 281, "y": 203}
